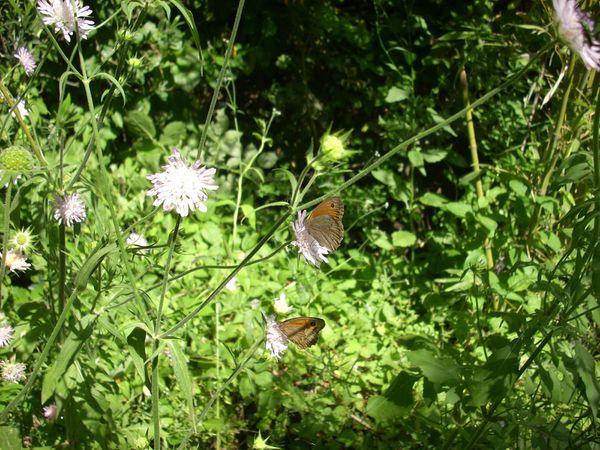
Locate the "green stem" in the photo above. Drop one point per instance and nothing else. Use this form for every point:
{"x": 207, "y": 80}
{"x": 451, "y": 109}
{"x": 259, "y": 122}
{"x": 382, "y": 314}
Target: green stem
{"x": 215, "y": 96}
{"x": 155, "y": 360}
{"x": 5, "y": 231}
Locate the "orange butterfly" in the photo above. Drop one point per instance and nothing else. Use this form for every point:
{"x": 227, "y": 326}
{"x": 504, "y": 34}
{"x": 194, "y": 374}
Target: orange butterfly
{"x": 324, "y": 223}
{"x": 302, "y": 331}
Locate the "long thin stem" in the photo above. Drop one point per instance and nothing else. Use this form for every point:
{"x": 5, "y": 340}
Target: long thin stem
{"x": 155, "y": 360}
{"x": 5, "y": 232}
{"x": 215, "y": 96}
{"x": 475, "y": 158}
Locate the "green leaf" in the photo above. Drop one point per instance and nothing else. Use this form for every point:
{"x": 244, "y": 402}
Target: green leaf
{"x": 140, "y": 125}
{"x": 403, "y": 238}
{"x": 587, "y": 372}
{"x": 10, "y": 438}
{"x": 182, "y": 374}
{"x": 67, "y": 356}
{"x": 397, "y": 400}
{"x": 396, "y": 94}
{"x": 459, "y": 209}
{"x": 173, "y": 134}
{"x": 437, "y": 369}
{"x": 431, "y": 199}
{"x": 137, "y": 350}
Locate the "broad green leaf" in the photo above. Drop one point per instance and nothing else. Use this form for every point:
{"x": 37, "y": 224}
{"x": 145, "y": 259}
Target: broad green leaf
{"x": 182, "y": 374}
{"x": 438, "y": 369}
{"x": 403, "y": 238}
{"x": 140, "y": 125}
{"x": 173, "y": 134}
{"x": 397, "y": 400}
{"x": 459, "y": 209}
{"x": 431, "y": 199}
{"x": 10, "y": 438}
{"x": 396, "y": 94}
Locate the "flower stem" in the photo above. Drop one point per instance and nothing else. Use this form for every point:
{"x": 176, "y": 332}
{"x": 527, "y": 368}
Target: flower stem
{"x": 475, "y": 158}
{"x": 5, "y": 232}
{"x": 155, "y": 360}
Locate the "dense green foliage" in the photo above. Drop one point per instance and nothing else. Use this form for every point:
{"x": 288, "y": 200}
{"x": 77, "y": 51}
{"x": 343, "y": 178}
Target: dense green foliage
{"x": 461, "y": 309}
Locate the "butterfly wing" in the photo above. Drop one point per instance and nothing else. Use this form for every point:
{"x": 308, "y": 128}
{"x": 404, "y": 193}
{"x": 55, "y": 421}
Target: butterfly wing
{"x": 302, "y": 331}
{"x": 325, "y": 223}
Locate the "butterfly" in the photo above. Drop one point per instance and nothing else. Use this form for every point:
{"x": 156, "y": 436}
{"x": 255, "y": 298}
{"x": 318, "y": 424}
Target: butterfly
{"x": 302, "y": 331}
{"x": 324, "y": 223}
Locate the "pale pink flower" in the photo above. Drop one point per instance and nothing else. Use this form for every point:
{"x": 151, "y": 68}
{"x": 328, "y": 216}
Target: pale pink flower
{"x": 307, "y": 245}
{"x": 61, "y": 15}
{"x": 576, "y": 28}
{"x": 276, "y": 341}
{"x": 69, "y": 209}
{"x": 12, "y": 372}
{"x": 50, "y": 412}
{"x": 6, "y": 334}
{"x": 280, "y": 305}
{"x": 181, "y": 186}
{"x": 16, "y": 261}
{"x": 26, "y": 60}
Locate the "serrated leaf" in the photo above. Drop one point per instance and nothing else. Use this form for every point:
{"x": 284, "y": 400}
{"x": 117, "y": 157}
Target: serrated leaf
{"x": 140, "y": 125}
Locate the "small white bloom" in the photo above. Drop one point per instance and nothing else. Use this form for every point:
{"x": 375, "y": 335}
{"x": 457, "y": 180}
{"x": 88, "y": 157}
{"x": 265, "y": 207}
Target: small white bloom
{"x": 307, "y": 245}
{"x": 181, "y": 186}
{"x": 138, "y": 240}
{"x": 231, "y": 284}
{"x": 16, "y": 261}
{"x": 22, "y": 240}
{"x": 12, "y": 372}
{"x": 69, "y": 209}
{"x": 276, "y": 342}
{"x": 61, "y": 15}
{"x": 23, "y": 111}
{"x": 26, "y": 60}
{"x": 575, "y": 27}
{"x": 50, "y": 412}
{"x": 281, "y": 306}
{"x": 6, "y": 334}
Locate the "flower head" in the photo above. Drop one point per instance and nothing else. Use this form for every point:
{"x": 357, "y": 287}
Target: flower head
{"x": 307, "y": 245}
{"x": 26, "y": 60}
{"x": 12, "y": 372}
{"x": 50, "y": 412}
{"x": 231, "y": 284}
{"x": 14, "y": 162}
{"x": 69, "y": 209}
{"x": 61, "y": 14}
{"x": 281, "y": 306}
{"x": 276, "y": 342}
{"x": 576, "y": 28}
{"x": 139, "y": 241}
{"x": 6, "y": 334}
{"x": 22, "y": 240}
{"x": 181, "y": 186}
{"x": 16, "y": 261}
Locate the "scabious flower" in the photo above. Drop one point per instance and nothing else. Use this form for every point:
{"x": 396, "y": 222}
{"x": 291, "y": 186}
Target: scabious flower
{"x": 16, "y": 261}
{"x": 307, "y": 245}
{"x": 61, "y": 15}
{"x": 22, "y": 240}
{"x": 69, "y": 209}
{"x": 276, "y": 341}
{"x": 138, "y": 240}
{"x": 50, "y": 412}
{"x": 181, "y": 186}
{"x": 231, "y": 284}
{"x": 6, "y": 334}
{"x": 576, "y": 28}
{"x": 281, "y": 306}
{"x": 12, "y": 372}
{"x": 26, "y": 60}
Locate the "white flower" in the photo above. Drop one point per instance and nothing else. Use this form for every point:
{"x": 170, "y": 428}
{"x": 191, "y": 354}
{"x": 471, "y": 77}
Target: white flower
{"x": 50, "y": 412}
{"x": 6, "y": 334}
{"x": 276, "y": 342}
{"x": 69, "y": 209}
{"x": 576, "y": 27}
{"x": 60, "y": 13}
{"x": 26, "y": 60}
{"x": 23, "y": 111}
{"x": 231, "y": 284}
{"x": 138, "y": 240}
{"x": 12, "y": 372}
{"x": 16, "y": 261}
{"x": 181, "y": 186}
{"x": 281, "y": 306}
{"x": 307, "y": 245}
